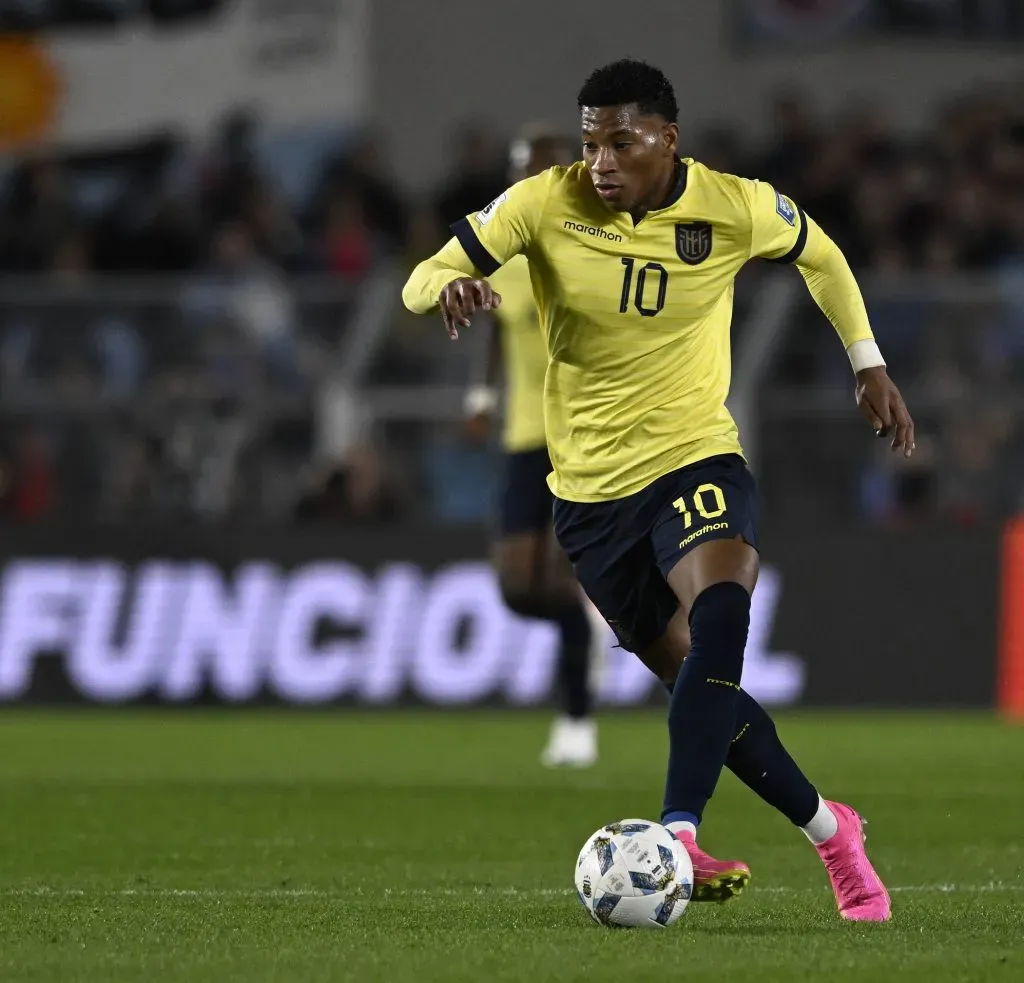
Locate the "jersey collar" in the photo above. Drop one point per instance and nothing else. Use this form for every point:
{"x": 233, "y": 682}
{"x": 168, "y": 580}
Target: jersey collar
{"x": 677, "y": 191}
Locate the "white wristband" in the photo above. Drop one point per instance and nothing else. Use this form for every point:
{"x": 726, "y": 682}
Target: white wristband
{"x": 865, "y": 354}
{"x": 479, "y": 400}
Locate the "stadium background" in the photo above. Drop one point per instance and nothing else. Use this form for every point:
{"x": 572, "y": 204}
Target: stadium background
{"x": 233, "y": 469}
{"x": 263, "y": 717}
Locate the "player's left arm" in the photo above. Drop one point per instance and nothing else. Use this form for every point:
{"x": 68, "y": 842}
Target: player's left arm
{"x": 782, "y": 233}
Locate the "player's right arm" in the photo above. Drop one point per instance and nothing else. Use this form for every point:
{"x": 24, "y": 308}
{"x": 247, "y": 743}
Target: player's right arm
{"x": 449, "y": 281}
{"x": 452, "y": 279}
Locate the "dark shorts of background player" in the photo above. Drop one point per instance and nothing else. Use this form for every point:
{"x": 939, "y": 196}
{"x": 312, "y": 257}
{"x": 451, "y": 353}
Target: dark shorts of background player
{"x": 623, "y": 550}
{"x": 525, "y": 497}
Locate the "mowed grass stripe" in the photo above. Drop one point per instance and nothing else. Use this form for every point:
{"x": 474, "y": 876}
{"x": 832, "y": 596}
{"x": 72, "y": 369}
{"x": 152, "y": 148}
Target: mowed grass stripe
{"x": 215, "y": 847}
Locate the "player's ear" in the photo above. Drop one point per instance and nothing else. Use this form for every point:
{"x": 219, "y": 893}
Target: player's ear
{"x": 670, "y": 135}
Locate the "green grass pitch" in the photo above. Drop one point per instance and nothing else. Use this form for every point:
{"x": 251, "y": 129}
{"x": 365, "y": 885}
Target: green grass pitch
{"x": 210, "y": 846}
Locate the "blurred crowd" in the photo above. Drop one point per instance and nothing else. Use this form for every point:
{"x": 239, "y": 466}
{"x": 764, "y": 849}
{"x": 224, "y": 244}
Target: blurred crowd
{"x": 216, "y": 384}
{"x": 951, "y": 197}
{"x": 909, "y": 212}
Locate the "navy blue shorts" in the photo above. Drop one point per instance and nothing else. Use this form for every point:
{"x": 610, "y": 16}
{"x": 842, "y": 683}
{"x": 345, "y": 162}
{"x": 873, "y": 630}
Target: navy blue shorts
{"x": 623, "y": 550}
{"x": 525, "y": 496}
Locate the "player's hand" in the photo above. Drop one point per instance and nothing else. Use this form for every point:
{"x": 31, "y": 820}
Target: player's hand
{"x": 883, "y": 407}
{"x": 462, "y": 298}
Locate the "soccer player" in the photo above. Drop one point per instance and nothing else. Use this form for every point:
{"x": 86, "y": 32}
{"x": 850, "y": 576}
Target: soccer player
{"x": 633, "y": 254}
{"x": 535, "y": 576}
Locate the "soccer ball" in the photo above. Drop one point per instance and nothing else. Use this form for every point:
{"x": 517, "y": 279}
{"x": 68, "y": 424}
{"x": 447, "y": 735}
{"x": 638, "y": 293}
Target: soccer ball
{"x": 634, "y": 873}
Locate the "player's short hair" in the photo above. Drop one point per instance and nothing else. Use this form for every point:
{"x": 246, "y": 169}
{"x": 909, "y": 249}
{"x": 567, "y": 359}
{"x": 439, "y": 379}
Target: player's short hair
{"x": 630, "y": 81}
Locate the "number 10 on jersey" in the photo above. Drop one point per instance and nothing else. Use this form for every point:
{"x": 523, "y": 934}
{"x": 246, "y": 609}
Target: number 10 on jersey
{"x": 644, "y": 290}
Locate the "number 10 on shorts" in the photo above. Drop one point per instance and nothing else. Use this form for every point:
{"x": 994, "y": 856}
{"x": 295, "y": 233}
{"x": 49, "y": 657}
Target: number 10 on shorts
{"x": 708, "y": 501}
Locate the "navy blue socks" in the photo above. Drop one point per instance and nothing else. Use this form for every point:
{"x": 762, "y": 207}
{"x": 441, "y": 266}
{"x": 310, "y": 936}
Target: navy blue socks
{"x": 702, "y": 712}
{"x": 575, "y": 633}
{"x": 574, "y": 661}
{"x": 759, "y": 760}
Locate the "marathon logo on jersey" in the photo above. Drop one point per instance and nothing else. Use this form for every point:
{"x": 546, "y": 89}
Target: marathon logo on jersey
{"x": 693, "y": 241}
{"x": 488, "y": 213}
{"x": 591, "y": 230}
{"x": 785, "y": 208}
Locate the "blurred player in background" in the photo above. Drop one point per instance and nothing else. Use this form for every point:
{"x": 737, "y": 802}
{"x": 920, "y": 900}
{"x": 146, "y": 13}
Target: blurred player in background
{"x": 633, "y": 256}
{"x": 535, "y": 575}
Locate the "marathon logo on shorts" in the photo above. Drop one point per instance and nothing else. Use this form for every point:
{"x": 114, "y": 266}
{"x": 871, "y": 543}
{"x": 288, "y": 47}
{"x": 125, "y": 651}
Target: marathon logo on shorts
{"x": 703, "y": 531}
{"x": 488, "y": 213}
{"x": 785, "y": 208}
{"x": 693, "y": 242}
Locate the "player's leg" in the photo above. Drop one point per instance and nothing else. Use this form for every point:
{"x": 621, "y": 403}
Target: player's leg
{"x": 701, "y": 537}
{"x": 608, "y": 544}
{"x": 759, "y": 759}
{"x": 703, "y": 703}
{"x": 713, "y": 583}
{"x": 656, "y": 630}
{"x": 537, "y": 582}
{"x": 533, "y": 586}
{"x": 705, "y": 541}
{"x": 573, "y": 737}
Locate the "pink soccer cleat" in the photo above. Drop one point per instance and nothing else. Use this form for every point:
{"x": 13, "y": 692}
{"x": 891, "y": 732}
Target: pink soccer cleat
{"x": 860, "y": 894}
{"x": 713, "y": 880}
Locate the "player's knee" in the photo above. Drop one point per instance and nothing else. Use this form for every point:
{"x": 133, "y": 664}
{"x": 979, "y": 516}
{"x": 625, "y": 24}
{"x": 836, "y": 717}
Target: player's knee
{"x": 677, "y": 637}
{"x": 665, "y": 656}
{"x": 719, "y": 620}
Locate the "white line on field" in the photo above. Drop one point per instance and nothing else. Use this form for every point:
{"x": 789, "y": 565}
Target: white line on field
{"x": 285, "y": 893}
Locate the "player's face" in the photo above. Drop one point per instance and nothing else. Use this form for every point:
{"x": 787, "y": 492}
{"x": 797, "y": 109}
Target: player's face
{"x": 631, "y": 157}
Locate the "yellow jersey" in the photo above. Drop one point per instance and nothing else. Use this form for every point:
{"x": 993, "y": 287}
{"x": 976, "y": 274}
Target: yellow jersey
{"x": 636, "y": 317}
{"x": 524, "y": 355}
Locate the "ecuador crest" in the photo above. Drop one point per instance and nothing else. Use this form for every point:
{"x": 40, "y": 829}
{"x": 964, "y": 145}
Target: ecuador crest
{"x": 693, "y": 241}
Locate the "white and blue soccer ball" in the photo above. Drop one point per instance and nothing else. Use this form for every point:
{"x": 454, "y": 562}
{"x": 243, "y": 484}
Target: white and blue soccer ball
{"x": 634, "y": 873}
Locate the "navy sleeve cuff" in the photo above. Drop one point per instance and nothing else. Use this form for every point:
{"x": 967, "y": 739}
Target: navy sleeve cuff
{"x": 475, "y": 249}
{"x": 798, "y": 247}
